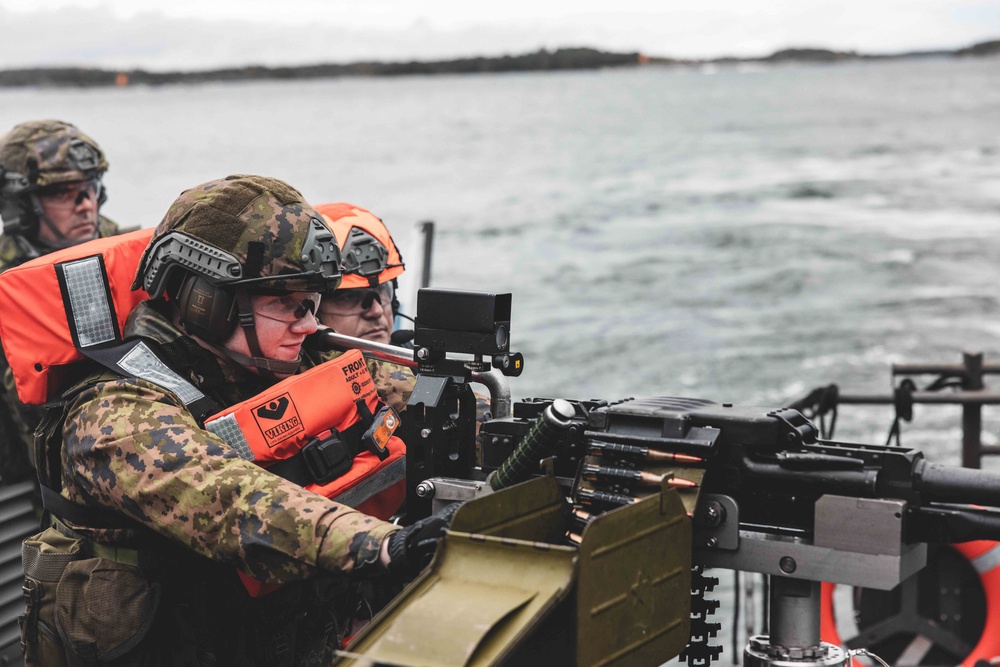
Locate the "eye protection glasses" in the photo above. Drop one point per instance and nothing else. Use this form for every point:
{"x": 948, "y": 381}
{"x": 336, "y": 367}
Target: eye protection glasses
{"x": 70, "y": 195}
{"x": 357, "y": 301}
{"x": 289, "y": 308}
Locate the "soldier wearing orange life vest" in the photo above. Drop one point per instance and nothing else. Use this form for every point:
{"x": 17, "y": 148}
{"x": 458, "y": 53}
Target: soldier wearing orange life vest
{"x": 235, "y": 272}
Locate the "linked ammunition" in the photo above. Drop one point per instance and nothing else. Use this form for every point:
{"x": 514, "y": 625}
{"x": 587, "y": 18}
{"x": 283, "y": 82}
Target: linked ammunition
{"x": 591, "y": 497}
{"x": 640, "y": 453}
{"x": 581, "y": 517}
{"x": 596, "y": 473}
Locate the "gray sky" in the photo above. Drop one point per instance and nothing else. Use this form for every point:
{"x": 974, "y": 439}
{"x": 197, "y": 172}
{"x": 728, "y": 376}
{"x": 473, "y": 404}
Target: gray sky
{"x": 198, "y": 34}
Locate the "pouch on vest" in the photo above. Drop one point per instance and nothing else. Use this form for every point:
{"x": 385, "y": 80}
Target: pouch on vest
{"x": 44, "y": 557}
{"x": 80, "y": 609}
{"x": 104, "y": 609}
{"x": 61, "y": 304}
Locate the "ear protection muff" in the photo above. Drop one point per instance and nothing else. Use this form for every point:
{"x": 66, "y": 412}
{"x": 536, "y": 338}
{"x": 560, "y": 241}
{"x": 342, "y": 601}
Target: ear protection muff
{"x": 18, "y": 217}
{"x": 18, "y": 209}
{"x": 395, "y": 297}
{"x": 206, "y": 310}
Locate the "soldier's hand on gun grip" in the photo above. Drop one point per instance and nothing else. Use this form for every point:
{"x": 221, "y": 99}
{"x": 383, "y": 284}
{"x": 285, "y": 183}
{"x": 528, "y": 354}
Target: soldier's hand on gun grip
{"x": 412, "y": 548}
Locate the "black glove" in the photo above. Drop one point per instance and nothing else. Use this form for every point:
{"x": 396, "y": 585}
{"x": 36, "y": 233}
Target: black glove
{"x": 412, "y": 548}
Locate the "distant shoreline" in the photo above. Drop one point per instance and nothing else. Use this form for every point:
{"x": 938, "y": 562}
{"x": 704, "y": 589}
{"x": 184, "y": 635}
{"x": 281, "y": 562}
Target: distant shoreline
{"x": 543, "y": 60}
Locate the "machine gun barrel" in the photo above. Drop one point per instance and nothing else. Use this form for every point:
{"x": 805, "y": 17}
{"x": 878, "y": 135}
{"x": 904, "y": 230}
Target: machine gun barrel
{"x": 951, "y": 484}
{"x": 931, "y": 482}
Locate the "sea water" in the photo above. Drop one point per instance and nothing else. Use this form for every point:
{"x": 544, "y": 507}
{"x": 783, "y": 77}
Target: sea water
{"x": 741, "y": 235}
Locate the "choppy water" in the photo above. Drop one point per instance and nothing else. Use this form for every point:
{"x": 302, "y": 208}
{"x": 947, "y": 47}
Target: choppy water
{"x": 740, "y": 235}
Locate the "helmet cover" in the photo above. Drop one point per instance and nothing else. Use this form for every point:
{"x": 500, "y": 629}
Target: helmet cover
{"x": 49, "y": 152}
{"x": 245, "y": 231}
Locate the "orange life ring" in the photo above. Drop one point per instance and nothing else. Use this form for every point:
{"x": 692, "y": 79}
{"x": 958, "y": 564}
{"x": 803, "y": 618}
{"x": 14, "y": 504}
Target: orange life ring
{"x": 984, "y": 556}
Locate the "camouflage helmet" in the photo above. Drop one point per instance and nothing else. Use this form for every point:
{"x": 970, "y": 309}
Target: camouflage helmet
{"x": 370, "y": 256}
{"x": 242, "y": 231}
{"x": 226, "y": 239}
{"x": 49, "y": 152}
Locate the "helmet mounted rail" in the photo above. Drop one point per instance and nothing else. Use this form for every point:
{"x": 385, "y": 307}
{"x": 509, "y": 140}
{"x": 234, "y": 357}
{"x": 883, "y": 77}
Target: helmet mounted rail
{"x": 176, "y": 250}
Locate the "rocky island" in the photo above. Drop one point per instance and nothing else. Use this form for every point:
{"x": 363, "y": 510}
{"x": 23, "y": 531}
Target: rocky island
{"x": 542, "y": 60}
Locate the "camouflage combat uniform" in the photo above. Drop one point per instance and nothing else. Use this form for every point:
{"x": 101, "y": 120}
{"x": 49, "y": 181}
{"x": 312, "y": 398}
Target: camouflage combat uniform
{"x": 133, "y": 447}
{"x": 393, "y": 382}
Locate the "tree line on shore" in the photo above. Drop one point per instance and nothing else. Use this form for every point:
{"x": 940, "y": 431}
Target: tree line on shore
{"x": 542, "y": 60}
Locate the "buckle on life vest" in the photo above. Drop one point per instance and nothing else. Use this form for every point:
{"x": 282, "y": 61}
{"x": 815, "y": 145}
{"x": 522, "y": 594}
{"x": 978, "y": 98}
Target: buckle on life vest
{"x": 327, "y": 459}
{"x": 376, "y": 436}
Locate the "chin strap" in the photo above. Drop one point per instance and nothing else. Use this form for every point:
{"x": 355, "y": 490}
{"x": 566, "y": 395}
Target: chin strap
{"x": 266, "y": 365}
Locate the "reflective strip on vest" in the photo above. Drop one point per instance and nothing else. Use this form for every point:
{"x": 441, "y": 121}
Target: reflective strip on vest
{"x": 86, "y": 287}
{"x": 227, "y": 428}
{"x": 142, "y": 363}
{"x": 987, "y": 561}
{"x": 374, "y": 485}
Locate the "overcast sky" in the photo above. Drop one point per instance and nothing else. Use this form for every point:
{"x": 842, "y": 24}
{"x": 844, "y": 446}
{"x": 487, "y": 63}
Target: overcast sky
{"x": 198, "y": 34}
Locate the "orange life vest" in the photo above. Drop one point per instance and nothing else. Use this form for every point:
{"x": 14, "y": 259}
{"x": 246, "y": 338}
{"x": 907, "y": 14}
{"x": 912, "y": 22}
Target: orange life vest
{"x": 58, "y": 305}
{"x": 327, "y": 430}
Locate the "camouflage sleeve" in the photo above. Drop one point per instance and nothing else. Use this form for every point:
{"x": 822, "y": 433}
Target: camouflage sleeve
{"x": 131, "y": 447}
{"x": 393, "y": 382}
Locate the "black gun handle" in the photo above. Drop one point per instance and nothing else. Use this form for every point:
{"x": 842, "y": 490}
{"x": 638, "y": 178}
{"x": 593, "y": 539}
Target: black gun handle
{"x": 537, "y": 443}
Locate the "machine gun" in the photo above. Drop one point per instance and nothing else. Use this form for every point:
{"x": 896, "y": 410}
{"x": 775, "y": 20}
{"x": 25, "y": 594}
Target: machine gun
{"x": 764, "y": 492}
{"x": 775, "y": 498}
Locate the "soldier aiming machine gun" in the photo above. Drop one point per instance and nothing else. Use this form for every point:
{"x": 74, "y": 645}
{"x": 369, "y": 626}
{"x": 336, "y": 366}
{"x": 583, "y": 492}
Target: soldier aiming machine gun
{"x": 764, "y": 492}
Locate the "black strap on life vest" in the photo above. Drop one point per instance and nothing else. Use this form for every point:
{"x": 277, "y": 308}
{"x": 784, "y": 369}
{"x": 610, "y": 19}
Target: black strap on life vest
{"x": 322, "y": 460}
{"x": 84, "y": 515}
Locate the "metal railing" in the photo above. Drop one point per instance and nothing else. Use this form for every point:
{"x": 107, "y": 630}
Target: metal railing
{"x": 956, "y": 384}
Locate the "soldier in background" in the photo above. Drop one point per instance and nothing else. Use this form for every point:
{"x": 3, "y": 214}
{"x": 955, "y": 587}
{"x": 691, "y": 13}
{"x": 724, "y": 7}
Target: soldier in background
{"x": 180, "y": 511}
{"x": 51, "y": 192}
{"x": 365, "y": 304}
